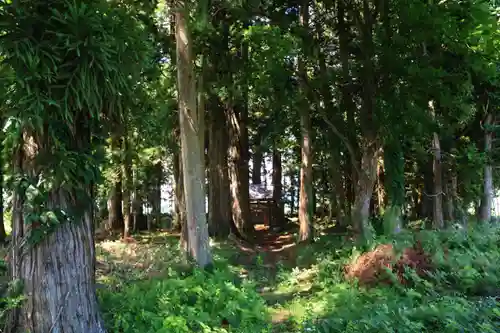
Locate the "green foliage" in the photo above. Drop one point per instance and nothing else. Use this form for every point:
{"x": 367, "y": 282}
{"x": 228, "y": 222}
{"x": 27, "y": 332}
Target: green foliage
{"x": 459, "y": 296}
{"x": 200, "y": 302}
{"x": 71, "y": 65}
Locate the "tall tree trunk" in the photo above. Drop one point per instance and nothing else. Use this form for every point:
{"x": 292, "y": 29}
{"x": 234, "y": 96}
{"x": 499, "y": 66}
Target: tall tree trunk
{"x": 115, "y": 218}
{"x": 180, "y": 202}
{"x": 156, "y": 193}
{"x": 347, "y": 104}
{"x": 137, "y": 203}
{"x": 57, "y": 272}
{"x": 394, "y": 164}
{"x": 192, "y": 158}
{"x": 128, "y": 183}
{"x": 364, "y": 191}
{"x": 293, "y": 191}
{"x": 488, "y": 190}
{"x": 257, "y": 160}
{"x": 3, "y": 234}
{"x": 277, "y": 183}
{"x": 306, "y": 172}
{"x": 437, "y": 196}
{"x": 449, "y": 199}
{"x": 240, "y": 199}
{"x": 219, "y": 198}
{"x": 369, "y": 148}
{"x": 427, "y": 201}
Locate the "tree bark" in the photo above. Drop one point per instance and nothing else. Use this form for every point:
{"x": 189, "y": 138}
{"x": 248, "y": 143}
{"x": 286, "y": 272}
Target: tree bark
{"x": 437, "y": 196}
{"x": 363, "y": 193}
{"x": 128, "y": 183}
{"x": 156, "y": 193}
{"x": 3, "y": 234}
{"x": 57, "y": 272}
{"x": 488, "y": 190}
{"x": 192, "y": 158}
{"x": 180, "y": 202}
{"x": 369, "y": 147}
{"x": 238, "y": 177}
{"x": 306, "y": 172}
{"x": 219, "y": 197}
{"x": 137, "y": 202}
{"x": 394, "y": 163}
{"x": 277, "y": 183}
{"x": 115, "y": 218}
{"x": 293, "y": 188}
{"x": 257, "y": 160}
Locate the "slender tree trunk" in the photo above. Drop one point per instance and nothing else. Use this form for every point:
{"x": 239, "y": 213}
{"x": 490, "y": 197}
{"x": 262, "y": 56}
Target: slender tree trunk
{"x": 219, "y": 197}
{"x": 156, "y": 195}
{"x": 137, "y": 202}
{"x": 347, "y": 104}
{"x": 257, "y": 159}
{"x": 437, "y": 196}
{"x": 369, "y": 148}
{"x": 115, "y": 219}
{"x": 449, "y": 202}
{"x": 278, "y": 184}
{"x": 127, "y": 187}
{"x": 306, "y": 172}
{"x": 238, "y": 179}
{"x": 180, "y": 202}
{"x": 191, "y": 133}
{"x": 394, "y": 163}
{"x": 3, "y": 234}
{"x": 488, "y": 190}
{"x": 427, "y": 197}
{"x": 381, "y": 193}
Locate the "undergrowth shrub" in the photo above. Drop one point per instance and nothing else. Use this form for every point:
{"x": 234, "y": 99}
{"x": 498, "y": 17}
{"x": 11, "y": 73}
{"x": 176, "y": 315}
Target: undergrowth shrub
{"x": 201, "y": 302}
{"x": 460, "y": 294}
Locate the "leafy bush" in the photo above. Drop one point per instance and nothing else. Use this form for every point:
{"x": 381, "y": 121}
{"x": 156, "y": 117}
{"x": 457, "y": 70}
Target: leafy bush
{"x": 201, "y": 302}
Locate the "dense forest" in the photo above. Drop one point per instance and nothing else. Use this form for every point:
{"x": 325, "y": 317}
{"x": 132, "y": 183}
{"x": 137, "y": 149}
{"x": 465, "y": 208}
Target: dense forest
{"x": 249, "y": 166}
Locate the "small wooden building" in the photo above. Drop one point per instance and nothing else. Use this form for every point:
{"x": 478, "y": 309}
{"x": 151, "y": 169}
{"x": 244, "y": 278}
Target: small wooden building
{"x": 263, "y": 208}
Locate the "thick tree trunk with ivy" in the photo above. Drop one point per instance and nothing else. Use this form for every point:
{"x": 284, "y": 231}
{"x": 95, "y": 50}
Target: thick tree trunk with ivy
{"x": 306, "y": 174}
{"x": 54, "y": 270}
{"x": 219, "y": 197}
{"x": 488, "y": 190}
{"x": 193, "y": 163}
{"x": 115, "y": 217}
{"x": 128, "y": 183}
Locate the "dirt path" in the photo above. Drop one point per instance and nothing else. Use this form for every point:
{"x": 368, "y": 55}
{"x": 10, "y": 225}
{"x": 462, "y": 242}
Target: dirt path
{"x": 274, "y": 249}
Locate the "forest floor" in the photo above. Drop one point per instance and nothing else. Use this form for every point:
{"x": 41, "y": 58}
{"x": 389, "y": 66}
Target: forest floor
{"x": 270, "y": 284}
{"x": 280, "y": 269}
